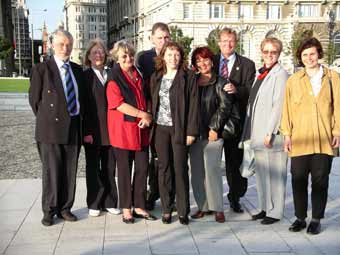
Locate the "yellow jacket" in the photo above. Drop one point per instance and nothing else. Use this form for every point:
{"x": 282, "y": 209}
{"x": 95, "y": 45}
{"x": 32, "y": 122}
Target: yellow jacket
{"x": 307, "y": 119}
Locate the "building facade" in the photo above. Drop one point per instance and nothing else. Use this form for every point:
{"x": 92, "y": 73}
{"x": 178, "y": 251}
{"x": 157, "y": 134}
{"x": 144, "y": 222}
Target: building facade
{"x": 23, "y": 56}
{"x": 6, "y": 31}
{"x": 85, "y": 20}
{"x": 253, "y": 20}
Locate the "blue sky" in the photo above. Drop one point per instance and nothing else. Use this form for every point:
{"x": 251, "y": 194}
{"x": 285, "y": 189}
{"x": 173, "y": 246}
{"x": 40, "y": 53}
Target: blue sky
{"x": 52, "y": 16}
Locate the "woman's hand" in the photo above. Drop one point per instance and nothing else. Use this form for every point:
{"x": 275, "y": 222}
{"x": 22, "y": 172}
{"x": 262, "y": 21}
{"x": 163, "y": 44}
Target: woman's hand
{"x": 88, "y": 139}
{"x": 190, "y": 139}
{"x": 213, "y": 136}
{"x": 145, "y": 117}
{"x": 288, "y": 144}
{"x": 336, "y": 142}
{"x": 268, "y": 141}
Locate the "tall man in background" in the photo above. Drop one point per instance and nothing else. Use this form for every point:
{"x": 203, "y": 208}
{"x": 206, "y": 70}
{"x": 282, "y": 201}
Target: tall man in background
{"x": 160, "y": 34}
{"x": 240, "y": 71}
{"x": 56, "y": 98}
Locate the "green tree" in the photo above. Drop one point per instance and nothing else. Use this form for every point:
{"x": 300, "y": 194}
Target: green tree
{"x": 300, "y": 34}
{"x": 332, "y": 52}
{"x": 176, "y": 35}
{"x": 5, "y": 48}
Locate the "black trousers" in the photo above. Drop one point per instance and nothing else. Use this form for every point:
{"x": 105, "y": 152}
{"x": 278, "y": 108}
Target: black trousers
{"x": 153, "y": 193}
{"x": 132, "y": 193}
{"x": 172, "y": 156}
{"x": 233, "y": 159}
{"x": 319, "y": 166}
{"x": 59, "y": 170}
{"x": 100, "y": 177}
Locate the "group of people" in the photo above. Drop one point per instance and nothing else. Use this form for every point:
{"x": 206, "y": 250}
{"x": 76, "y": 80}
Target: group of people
{"x": 150, "y": 117}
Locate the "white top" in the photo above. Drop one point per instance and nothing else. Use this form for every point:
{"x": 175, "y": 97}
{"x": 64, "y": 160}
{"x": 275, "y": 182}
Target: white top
{"x": 316, "y": 81}
{"x": 62, "y": 72}
{"x": 102, "y": 78}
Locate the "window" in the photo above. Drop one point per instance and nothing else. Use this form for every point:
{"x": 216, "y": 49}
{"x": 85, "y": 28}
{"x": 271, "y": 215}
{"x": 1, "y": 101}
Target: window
{"x": 274, "y": 11}
{"x": 337, "y": 12}
{"x": 186, "y": 11}
{"x": 216, "y": 11}
{"x": 246, "y": 11}
{"x": 337, "y": 45}
{"x": 77, "y": 9}
{"x": 308, "y": 10}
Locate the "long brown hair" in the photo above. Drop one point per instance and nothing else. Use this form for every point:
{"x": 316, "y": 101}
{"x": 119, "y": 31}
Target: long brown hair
{"x": 159, "y": 60}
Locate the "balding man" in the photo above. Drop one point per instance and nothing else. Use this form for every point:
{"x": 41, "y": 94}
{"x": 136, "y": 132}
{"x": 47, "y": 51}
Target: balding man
{"x": 56, "y": 97}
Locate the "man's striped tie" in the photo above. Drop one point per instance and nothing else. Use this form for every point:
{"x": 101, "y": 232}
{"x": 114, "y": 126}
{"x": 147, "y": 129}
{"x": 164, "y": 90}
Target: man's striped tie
{"x": 71, "y": 93}
{"x": 224, "y": 69}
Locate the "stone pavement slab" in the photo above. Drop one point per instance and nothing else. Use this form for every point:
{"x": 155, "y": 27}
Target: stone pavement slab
{"x": 22, "y": 233}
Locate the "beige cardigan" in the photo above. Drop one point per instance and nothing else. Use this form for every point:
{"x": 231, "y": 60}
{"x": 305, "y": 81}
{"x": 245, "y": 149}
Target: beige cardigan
{"x": 309, "y": 120}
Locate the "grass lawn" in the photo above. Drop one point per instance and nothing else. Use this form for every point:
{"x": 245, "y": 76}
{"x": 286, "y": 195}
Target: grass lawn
{"x": 14, "y": 85}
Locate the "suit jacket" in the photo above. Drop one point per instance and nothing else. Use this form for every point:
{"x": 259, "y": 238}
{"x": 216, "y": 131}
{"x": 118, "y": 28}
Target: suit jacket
{"x": 183, "y": 103}
{"x": 146, "y": 64}
{"x": 95, "y": 117}
{"x": 242, "y": 75}
{"x": 267, "y": 110}
{"x": 48, "y": 102}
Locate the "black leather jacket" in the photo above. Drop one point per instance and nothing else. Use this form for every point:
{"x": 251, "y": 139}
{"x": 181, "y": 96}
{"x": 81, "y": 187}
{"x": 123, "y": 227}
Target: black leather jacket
{"x": 215, "y": 106}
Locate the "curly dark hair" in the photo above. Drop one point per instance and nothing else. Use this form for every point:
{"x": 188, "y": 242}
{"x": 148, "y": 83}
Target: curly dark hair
{"x": 306, "y": 44}
{"x": 159, "y": 60}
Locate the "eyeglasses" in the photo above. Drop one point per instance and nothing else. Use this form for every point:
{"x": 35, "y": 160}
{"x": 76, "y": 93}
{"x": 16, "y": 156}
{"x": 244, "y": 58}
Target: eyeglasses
{"x": 266, "y": 52}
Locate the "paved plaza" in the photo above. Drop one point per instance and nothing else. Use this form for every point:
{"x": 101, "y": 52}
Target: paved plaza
{"x": 22, "y": 233}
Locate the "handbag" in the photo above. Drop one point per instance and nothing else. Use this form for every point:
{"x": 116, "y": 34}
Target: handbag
{"x": 247, "y": 167}
{"x": 232, "y": 127}
{"x": 335, "y": 150}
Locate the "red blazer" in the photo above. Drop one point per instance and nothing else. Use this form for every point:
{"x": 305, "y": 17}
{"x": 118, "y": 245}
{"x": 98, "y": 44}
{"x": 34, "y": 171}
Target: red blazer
{"x": 126, "y": 134}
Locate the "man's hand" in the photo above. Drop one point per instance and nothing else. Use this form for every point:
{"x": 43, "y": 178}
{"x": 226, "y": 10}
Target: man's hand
{"x": 230, "y": 88}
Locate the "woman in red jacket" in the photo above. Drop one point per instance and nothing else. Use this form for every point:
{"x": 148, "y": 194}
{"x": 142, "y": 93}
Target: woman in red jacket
{"x": 128, "y": 122}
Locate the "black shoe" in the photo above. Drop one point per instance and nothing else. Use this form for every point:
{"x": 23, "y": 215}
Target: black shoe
{"x": 47, "y": 220}
{"x": 150, "y": 205}
{"x": 314, "y": 228}
{"x": 269, "y": 220}
{"x": 236, "y": 206}
{"x": 259, "y": 216}
{"x": 68, "y": 216}
{"x": 144, "y": 216}
{"x": 184, "y": 220}
{"x": 167, "y": 219}
{"x": 297, "y": 226}
{"x": 128, "y": 220}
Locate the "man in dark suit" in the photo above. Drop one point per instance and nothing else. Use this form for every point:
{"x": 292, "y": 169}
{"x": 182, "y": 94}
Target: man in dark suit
{"x": 160, "y": 34}
{"x": 240, "y": 71}
{"x": 56, "y": 97}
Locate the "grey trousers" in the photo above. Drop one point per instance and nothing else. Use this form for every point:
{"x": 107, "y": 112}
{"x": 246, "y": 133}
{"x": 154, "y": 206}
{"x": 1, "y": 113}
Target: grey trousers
{"x": 271, "y": 177}
{"x": 206, "y": 175}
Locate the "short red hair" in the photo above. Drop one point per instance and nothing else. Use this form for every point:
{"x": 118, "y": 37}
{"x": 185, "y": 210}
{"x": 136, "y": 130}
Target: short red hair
{"x": 203, "y": 52}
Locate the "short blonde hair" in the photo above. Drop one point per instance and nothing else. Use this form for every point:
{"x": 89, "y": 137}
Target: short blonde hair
{"x": 274, "y": 41}
{"x": 122, "y": 45}
{"x": 93, "y": 43}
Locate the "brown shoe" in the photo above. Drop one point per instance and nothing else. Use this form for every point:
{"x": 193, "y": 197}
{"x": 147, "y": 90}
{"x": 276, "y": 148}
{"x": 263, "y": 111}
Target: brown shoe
{"x": 219, "y": 217}
{"x": 199, "y": 214}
